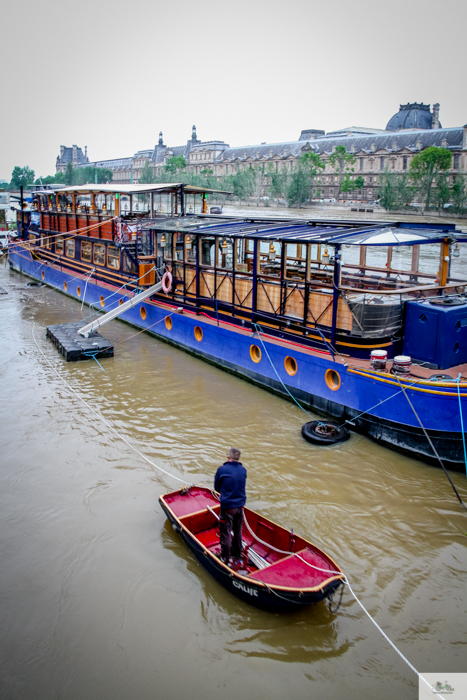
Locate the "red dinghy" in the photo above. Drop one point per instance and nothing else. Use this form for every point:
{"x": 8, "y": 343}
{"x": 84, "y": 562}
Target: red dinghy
{"x": 280, "y": 571}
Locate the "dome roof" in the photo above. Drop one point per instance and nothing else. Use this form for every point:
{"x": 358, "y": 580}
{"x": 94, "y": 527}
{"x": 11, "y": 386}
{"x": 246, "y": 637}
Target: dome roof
{"x": 411, "y": 116}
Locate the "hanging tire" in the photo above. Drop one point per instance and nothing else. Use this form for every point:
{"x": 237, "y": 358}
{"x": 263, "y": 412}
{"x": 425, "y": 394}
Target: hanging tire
{"x": 324, "y": 433}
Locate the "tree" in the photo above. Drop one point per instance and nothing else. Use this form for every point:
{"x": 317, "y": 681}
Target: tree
{"x": 21, "y": 177}
{"x": 442, "y": 193}
{"x": 146, "y": 176}
{"x": 69, "y": 174}
{"x": 388, "y": 190}
{"x": 175, "y": 164}
{"x": 350, "y": 184}
{"x": 299, "y": 188}
{"x": 342, "y": 163}
{"x": 313, "y": 166}
{"x": 425, "y": 167}
{"x": 279, "y": 182}
{"x": 404, "y": 190}
{"x": 459, "y": 193}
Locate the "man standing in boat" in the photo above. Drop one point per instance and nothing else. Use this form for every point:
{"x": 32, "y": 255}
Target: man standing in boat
{"x": 230, "y": 482}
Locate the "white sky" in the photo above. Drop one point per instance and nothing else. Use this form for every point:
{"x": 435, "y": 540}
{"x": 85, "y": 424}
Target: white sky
{"x": 111, "y": 75}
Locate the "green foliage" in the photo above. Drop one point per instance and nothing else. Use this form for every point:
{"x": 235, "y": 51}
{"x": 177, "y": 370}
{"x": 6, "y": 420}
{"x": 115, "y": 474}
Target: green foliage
{"x": 21, "y": 177}
{"x": 69, "y": 174}
{"x": 425, "y": 167}
{"x": 350, "y": 184}
{"x": 299, "y": 188}
{"x": 459, "y": 193}
{"x": 146, "y": 176}
{"x": 442, "y": 193}
{"x": 90, "y": 175}
{"x": 395, "y": 191}
{"x": 278, "y": 182}
{"x": 342, "y": 163}
{"x": 174, "y": 164}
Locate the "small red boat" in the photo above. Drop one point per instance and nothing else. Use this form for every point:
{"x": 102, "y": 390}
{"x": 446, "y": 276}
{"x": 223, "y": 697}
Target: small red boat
{"x": 279, "y": 571}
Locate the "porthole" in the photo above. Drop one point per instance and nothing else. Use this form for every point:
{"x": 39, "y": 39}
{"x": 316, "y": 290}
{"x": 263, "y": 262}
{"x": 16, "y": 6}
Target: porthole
{"x": 120, "y": 302}
{"x": 102, "y": 301}
{"x": 168, "y": 323}
{"x": 65, "y": 286}
{"x": 198, "y": 334}
{"x": 143, "y": 313}
{"x": 43, "y": 274}
{"x": 332, "y": 379}
{"x": 78, "y": 291}
{"x": 255, "y": 353}
{"x": 290, "y": 364}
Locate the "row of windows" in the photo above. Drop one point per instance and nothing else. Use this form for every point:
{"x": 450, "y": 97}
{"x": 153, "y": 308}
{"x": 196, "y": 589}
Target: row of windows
{"x": 68, "y": 248}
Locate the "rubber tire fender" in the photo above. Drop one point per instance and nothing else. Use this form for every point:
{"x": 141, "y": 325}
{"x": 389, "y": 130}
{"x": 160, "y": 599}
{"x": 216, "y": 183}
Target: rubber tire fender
{"x": 311, "y": 434}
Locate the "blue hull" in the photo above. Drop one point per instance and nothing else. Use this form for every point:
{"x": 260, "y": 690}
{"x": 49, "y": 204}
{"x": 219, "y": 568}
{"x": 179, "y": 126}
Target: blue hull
{"x": 387, "y": 415}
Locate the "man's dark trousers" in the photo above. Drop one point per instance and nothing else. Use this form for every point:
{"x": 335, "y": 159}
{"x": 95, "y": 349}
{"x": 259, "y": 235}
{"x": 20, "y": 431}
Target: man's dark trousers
{"x": 231, "y": 519}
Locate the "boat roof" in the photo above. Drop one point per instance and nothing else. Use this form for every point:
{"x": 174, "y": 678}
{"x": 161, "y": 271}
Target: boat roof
{"x": 342, "y": 233}
{"x": 135, "y": 189}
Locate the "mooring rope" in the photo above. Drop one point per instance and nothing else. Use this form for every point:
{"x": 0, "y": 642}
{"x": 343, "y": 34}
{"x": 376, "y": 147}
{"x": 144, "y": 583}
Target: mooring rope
{"x": 101, "y": 418}
{"x": 258, "y": 332}
{"x": 462, "y": 420}
{"x": 183, "y": 481}
{"x": 347, "y": 583}
{"x": 431, "y": 443}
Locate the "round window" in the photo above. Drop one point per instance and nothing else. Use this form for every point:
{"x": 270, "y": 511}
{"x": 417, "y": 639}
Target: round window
{"x": 168, "y": 323}
{"x": 255, "y": 353}
{"x": 332, "y": 379}
{"x": 102, "y": 301}
{"x": 198, "y": 334}
{"x": 78, "y": 291}
{"x": 290, "y": 364}
{"x": 143, "y": 313}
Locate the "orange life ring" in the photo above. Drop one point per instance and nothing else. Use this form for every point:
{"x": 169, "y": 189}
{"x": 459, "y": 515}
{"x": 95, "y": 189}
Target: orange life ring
{"x": 167, "y": 282}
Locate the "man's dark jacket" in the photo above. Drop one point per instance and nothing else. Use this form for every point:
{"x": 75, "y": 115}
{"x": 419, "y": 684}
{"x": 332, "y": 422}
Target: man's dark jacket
{"x": 230, "y": 481}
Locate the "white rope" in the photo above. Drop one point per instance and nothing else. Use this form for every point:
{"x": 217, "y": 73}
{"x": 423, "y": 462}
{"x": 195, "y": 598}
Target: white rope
{"x": 346, "y": 581}
{"x": 339, "y": 573}
{"x": 101, "y": 418}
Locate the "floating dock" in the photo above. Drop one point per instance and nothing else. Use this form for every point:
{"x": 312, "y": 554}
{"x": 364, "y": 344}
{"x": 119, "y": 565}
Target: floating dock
{"x": 74, "y": 346}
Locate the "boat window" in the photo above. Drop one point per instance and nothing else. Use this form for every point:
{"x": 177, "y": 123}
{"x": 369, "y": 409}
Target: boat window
{"x": 178, "y": 246}
{"x": 163, "y": 203}
{"x": 241, "y": 257}
{"x": 270, "y": 253}
{"x": 295, "y": 261}
{"x": 429, "y": 258}
{"x": 113, "y": 257}
{"x": 401, "y": 257}
{"x": 70, "y": 247}
{"x": 59, "y": 245}
{"x": 225, "y": 253}
{"x": 86, "y": 251}
{"x": 164, "y": 242}
{"x": 377, "y": 256}
{"x": 99, "y": 254}
{"x": 48, "y": 243}
{"x": 208, "y": 248}
{"x": 128, "y": 265}
{"x": 32, "y": 237}
{"x": 458, "y": 261}
{"x": 190, "y": 248}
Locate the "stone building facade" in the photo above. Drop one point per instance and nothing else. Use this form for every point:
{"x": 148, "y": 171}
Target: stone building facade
{"x": 413, "y": 128}
{"x": 71, "y": 154}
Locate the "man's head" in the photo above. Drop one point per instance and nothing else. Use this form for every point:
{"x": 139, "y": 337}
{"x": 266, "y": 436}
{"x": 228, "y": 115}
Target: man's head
{"x": 233, "y": 454}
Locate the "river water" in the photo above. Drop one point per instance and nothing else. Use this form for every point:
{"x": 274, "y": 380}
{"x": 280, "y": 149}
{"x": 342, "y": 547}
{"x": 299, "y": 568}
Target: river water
{"x": 101, "y": 600}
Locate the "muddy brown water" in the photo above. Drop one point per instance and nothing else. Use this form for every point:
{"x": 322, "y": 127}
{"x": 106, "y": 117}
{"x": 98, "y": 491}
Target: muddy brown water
{"x": 99, "y": 597}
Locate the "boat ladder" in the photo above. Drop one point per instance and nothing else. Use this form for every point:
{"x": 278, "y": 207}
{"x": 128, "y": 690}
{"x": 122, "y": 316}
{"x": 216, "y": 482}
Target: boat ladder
{"x": 110, "y": 315}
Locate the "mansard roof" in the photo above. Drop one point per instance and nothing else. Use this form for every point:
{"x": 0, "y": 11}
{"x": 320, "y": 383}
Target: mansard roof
{"x": 67, "y": 156}
{"x": 360, "y": 143}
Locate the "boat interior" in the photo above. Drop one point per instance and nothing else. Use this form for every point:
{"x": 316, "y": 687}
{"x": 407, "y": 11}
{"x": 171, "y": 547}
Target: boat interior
{"x": 261, "y": 560}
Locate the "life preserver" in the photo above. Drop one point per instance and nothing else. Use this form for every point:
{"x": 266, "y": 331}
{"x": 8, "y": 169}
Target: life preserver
{"x": 167, "y": 282}
{"x": 324, "y": 433}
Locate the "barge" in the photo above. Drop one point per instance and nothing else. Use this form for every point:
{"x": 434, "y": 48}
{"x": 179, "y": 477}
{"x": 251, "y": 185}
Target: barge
{"x": 364, "y": 322}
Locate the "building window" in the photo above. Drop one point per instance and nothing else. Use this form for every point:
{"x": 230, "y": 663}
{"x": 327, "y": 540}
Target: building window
{"x": 456, "y": 161}
{"x": 371, "y": 179}
{"x": 361, "y": 163}
{"x": 404, "y": 162}
{"x": 382, "y": 163}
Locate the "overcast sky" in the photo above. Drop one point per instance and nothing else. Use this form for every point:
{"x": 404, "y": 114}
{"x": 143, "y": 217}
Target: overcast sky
{"x": 111, "y": 75}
